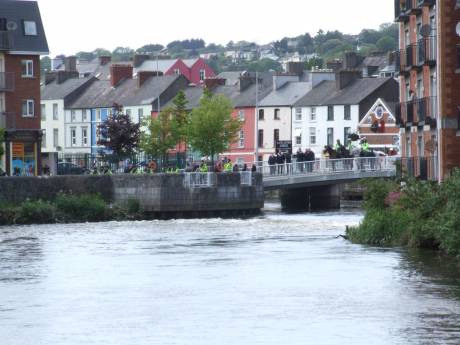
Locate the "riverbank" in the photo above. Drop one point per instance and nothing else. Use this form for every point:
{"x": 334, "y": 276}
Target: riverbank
{"x": 413, "y": 214}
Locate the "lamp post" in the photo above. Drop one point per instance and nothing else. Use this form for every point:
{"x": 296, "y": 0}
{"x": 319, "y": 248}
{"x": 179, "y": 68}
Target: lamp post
{"x": 257, "y": 119}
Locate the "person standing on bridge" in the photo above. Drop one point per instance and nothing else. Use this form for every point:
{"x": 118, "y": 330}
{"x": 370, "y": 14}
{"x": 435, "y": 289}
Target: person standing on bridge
{"x": 271, "y": 163}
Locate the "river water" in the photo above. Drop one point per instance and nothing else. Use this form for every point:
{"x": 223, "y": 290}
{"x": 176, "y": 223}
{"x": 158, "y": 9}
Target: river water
{"x": 276, "y": 279}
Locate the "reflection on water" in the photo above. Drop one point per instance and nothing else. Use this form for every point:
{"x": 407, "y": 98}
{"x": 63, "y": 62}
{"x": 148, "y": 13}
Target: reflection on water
{"x": 276, "y": 279}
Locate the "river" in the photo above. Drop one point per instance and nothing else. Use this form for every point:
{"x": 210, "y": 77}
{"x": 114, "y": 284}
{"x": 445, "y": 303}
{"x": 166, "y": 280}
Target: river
{"x": 275, "y": 279}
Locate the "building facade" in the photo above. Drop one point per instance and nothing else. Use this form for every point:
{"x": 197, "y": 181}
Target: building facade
{"x": 22, "y": 41}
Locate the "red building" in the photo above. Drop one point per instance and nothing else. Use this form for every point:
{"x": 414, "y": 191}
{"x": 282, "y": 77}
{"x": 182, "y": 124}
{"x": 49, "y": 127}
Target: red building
{"x": 195, "y": 70}
{"x": 22, "y": 41}
{"x": 428, "y": 64}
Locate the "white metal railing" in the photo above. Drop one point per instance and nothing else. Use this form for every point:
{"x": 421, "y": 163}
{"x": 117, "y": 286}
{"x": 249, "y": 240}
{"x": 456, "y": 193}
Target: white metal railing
{"x": 197, "y": 180}
{"x": 246, "y": 178}
{"x": 329, "y": 166}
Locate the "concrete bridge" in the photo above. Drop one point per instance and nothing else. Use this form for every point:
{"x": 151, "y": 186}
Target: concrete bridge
{"x": 317, "y": 185}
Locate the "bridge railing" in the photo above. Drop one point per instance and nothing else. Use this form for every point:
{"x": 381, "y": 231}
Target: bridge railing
{"x": 329, "y": 166}
{"x": 197, "y": 180}
{"x": 246, "y": 178}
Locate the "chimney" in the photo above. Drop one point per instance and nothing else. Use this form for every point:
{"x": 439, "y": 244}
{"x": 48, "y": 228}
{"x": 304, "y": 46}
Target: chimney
{"x": 212, "y": 83}
{"x": 120, "y": 72}
{"x": 143, "y": 76}
{"x": 104, "y": 60}
{"x": 60, "y": 76}
{"x": 351, "y": 60}
{"x": 139, "y": 59}
{"x": 345, "y": 78}
{"x": 295, "y": 68}
{"x": 279, "y": 80}
{"x": 334, "y": 65}
{"x": 50, "y": 77}
{"x": 246, "y": 80}
{"x": 70, "y": 63}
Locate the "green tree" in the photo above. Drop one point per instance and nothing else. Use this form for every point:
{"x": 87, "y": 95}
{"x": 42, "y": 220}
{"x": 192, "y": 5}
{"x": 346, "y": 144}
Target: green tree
{"x": 264, "y": 65}
{"x": 88, "y": 56}
{"x": 386, "y": 44}
{"x": 163, "y": 134}
{"x": 101, "y": 52}
{"x": 314, "y": 62}
{"x": 212, "y": 129}
{"x": 45, "y": 64}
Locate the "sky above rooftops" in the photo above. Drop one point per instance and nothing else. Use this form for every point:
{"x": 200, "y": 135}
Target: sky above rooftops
{"x": 85, "y": 25}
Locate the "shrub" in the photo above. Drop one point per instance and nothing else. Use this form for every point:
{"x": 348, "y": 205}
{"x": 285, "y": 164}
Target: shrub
{"x": 133, "y": 206}
{"x": 376, "y": 193}
{"x": 7, "y": 215}
{"x": 83, "y": 208}
{"x": 35, "y": 212}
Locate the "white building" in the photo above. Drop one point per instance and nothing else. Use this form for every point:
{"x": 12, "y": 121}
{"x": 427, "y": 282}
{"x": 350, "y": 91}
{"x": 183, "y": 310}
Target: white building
{"x": 333, "y": 109}
{"x": 55, "y": 97}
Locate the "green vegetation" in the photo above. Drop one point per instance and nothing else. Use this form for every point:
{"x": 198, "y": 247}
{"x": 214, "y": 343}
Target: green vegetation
{"x": 419, "y": 214}
{"x": 67, "y": 209}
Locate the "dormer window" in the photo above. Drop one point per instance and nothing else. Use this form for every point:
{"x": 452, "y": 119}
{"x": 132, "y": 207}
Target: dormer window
{"x": 30, "y": 28}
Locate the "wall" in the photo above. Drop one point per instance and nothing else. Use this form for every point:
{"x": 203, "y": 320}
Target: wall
{"x": 156, "y": 193}
{"x": 48, "y": 124}
{"x": 269, "y": 124}
{"x": 79, "y": 124}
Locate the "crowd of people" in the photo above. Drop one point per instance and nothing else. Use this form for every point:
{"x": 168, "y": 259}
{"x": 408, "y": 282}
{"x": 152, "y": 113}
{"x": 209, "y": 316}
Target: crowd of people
{"x": 221, "y": 166}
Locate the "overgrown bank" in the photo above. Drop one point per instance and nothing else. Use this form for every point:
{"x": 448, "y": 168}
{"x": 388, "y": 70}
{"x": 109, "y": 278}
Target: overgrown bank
{"x": 415, "y": 214}
{"x": 67, "y": 209}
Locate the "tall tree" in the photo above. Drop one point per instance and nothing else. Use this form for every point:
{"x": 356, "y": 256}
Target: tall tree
{"x": 163, "y": 134}
{"x": 119, "y": 134}
{"x": 212, "y": 129}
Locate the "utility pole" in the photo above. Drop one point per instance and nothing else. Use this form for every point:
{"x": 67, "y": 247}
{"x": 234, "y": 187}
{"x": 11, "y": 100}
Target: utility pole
{"x": 159, "y": 90}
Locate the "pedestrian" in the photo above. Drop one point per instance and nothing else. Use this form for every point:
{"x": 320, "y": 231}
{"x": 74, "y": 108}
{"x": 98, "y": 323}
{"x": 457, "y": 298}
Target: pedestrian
{"x": 254, "y": 168}
{"x": 245, "y": 167}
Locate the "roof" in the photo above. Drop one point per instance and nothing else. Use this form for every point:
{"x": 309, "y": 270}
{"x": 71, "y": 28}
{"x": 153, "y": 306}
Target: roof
{"x": 16, "y": 12}
{"x": 232, "y": 78}
{"x": 190, "y": 62}
{"x": 101, "y": 94}
{"x": 193, "y": 96}
{"x": 287, "y": 95}
{"x": 54, "y": 90}
{"x": 378, "y": 61}
{"x": 154, "y": 65}
{"x": 326, "y": 92}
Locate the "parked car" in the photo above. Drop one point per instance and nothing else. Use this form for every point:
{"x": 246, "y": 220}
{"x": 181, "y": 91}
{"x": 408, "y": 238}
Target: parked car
{"x": 66, "y": 168}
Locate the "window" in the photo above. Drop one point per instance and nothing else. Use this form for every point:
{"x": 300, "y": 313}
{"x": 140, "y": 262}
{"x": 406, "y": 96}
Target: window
{"x": 241, "y": 115}
{"x": 276, "y": 137}
{"x": 43, "y": 137}
{"x": 202, "y": 74}
{"x": 346, "y": 133}
{"x": 313, "y": 114}
{"x": 27, "y": 68}
{"x": 177, "y": 71}
{"x": 128, "y": 112}
{"x": 28, "y": 108}
{"x": 55, "y": 137}
{"x": 73, "y": 116}
{"x": 420, "y": 146}
{"x": 140, "y": 114}
{"x": 43, "y": 112}
{"x": 98, "y": 115}
{"x": 347, "y": 113}
{"x": 261, "y": 114}
{"x": 55, "y": 112}
{"x": 312, "y": 136}
{"x": 84, "y": 116}
{"x": 298, "y": 136}
{"x": 298, "y": 114}
{"x": 330, "y": 113}
{"x": 84, "y": 136}
{"x": 30, "y": 28}
{"x": 458, "y": 56}
{"x": 330, "y": 136}
{"x": 73, "y": 136}
{"x": 241, "y": 140}
{"x": 408, "y": 146}
{"x": 277, "y": 114}
{"x": 261, "y": 138}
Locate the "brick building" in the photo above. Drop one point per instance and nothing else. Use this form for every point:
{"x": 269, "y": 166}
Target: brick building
{"x": 428, "y": 64}
{"x": 22, "y": 41}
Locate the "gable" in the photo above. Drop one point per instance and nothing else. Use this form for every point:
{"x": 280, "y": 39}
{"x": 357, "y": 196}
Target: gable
{"x": 379, "y": 111}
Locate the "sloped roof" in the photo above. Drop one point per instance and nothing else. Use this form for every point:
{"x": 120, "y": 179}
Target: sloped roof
{"x": 101, "y": 94}
{"x": 17, "y": 12}
{"x": 190, "y": 62}
{"x": 287, "y": 95}
{"x": 193, "y": 96}
{"x": 326, "y": 92}
{"x": 54, "y": 90}
{"x": 151, "y": 65}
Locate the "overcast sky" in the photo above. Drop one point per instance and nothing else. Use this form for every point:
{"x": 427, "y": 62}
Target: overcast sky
{"x": 75, "y": 25}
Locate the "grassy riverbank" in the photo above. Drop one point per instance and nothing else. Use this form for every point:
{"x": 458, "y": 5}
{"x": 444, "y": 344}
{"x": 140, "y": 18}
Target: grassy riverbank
{"x": 66, "y": 209}
{"x": 418, "y": 214}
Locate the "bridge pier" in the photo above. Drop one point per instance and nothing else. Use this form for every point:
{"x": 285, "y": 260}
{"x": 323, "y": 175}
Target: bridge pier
{"x": 321, "y": 198}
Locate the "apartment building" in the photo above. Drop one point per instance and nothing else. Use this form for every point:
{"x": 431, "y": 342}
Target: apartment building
{"x": 428, "y": 64}
{"x": 22, "y": 41}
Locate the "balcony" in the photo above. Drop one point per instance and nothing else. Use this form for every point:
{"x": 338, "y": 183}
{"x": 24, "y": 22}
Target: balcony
{"x": 405, "y": 113}
{"x": 426, "y": 110}
{"x": 401, "y": 11}
{"x": 411, "y": 53}
{"x": 426, "y": 51}
{"x": 400, "y": 61}
{"x": 6, "y": 42}
{"x": 6, "y": 81}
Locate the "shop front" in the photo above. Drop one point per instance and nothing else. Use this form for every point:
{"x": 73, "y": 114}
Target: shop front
{"x": 23, "y": 153}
